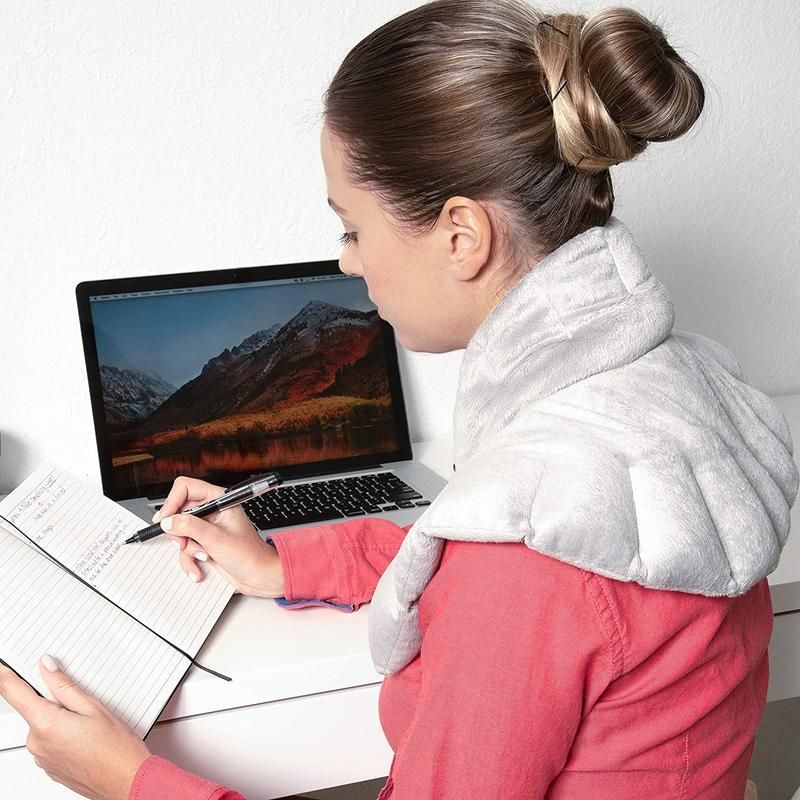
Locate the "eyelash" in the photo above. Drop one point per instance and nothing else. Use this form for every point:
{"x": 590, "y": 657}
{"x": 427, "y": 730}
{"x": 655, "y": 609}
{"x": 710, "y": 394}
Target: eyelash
{"x": 347, "y": 237}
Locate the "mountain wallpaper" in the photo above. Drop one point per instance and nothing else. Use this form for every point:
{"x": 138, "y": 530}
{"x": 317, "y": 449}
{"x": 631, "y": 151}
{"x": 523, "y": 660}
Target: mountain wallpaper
{"x": 313, "y": 388}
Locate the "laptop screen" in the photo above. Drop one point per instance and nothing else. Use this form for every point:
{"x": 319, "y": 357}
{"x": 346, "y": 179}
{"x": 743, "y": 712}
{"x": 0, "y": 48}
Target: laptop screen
{"x": 223, "y": 380}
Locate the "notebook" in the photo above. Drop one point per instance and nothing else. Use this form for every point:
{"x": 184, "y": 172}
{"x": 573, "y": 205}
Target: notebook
{"x": 225, "y": 374}
{"x": 126, "y": 625}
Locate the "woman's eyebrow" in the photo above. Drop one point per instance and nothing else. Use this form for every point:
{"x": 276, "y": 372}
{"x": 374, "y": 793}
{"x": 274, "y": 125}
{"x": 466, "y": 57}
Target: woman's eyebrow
{"x": 336, "y": 207}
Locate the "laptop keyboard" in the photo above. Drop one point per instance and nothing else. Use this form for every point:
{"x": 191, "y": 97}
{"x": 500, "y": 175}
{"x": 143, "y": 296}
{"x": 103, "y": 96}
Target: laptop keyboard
{"x": 307, "y": 503}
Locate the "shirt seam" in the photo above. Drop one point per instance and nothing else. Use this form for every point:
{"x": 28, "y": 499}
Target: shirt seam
{"x": 617, "y": 626}
{"x": 685, "y": 767}
{"x": 614, "y": 637}
{"x": 283, "y": 554}
{"x": 347, "y": 568}
{"x": 138, "y": 779}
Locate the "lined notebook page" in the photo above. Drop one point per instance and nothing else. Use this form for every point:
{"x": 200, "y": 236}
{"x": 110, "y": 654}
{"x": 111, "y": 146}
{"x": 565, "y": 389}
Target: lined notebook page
{"x": 84, "y": 530}
{"x": 108, "y": 654}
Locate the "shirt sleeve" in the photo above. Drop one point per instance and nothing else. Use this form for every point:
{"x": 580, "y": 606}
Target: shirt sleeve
{"x": 338, "y": 564}
{"x": 159, "y": 779}
{"x": 511, "y": 660}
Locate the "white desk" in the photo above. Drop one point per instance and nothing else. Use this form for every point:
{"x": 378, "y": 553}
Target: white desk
{"x": 302, "y": 710}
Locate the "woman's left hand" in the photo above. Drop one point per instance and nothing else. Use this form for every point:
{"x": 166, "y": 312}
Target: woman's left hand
{"x": 77, "y": 741}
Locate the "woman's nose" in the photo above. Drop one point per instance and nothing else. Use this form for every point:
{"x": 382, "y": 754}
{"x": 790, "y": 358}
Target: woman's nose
{"x": 349, "y": 263}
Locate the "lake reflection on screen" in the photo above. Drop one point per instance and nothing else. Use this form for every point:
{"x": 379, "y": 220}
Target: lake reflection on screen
{"x": 253, "y": 457}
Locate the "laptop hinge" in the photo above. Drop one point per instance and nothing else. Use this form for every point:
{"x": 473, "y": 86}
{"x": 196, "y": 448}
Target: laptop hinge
{"x": 309, "y": 476}
{"x": 338, "y": 471}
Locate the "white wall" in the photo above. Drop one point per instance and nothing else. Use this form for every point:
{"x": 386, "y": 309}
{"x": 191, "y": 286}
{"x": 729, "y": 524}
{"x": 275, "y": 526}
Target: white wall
{"x": 147, "y": 137}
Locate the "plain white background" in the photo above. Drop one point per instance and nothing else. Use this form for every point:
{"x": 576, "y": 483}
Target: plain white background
{"x": 138, "y": 138}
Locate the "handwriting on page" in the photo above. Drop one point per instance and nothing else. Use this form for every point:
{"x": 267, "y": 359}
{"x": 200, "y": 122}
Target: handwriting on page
{"x": 47, "y": 507}
{"x": 99, "y": 554}
{"x": 40, "y": 501}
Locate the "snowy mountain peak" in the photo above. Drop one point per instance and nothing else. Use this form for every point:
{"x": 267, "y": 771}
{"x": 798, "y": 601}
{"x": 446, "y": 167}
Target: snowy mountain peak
{"x": 255, "y": 341}
{"x": 316, "y": 313}
{"x": 132, "y": 394}
{"x": 249, "y": 345}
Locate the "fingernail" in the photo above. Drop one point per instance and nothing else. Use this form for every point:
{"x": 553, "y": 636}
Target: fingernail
{"x": 201, "y": 556}
{"x": 49, "y": 663}
{"x": 175, "y": 542}
{"x": 191, "y": 576}
{"x": 166, "y": 524}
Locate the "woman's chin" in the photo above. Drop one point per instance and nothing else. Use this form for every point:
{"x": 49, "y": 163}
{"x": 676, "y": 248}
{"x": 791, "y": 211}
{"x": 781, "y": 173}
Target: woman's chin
{"x": 407, "y": 344}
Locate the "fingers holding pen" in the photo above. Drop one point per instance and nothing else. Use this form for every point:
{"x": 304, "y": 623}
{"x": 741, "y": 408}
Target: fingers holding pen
{"x": 189, "y": 527}
{"x": 194, "y": 572}
{"x": 232, "y": 546}
{"x": 185, "y": 561}
{"x": 191, "y": 551}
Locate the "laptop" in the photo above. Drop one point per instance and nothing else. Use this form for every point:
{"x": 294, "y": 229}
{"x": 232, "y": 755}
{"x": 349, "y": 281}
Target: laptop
{"x": 227, "y": 374}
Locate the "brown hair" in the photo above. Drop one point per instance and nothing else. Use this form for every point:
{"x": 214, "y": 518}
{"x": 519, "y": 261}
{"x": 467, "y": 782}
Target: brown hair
{"x": 454, "y": 98}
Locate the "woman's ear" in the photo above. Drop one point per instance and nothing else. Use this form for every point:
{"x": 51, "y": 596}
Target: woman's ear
{"x": 466, "y": 232}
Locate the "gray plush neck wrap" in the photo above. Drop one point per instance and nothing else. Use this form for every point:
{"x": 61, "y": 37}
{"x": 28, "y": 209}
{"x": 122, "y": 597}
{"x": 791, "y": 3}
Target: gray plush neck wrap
{"x": 590, "y": 430}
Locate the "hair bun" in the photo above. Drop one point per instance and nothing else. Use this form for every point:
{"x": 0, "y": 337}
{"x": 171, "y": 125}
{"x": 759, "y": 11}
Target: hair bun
{"x": 623, "y": 86}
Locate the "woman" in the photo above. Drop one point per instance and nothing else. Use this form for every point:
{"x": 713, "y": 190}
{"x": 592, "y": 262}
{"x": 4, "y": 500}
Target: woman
{"x": 583, "y": 611}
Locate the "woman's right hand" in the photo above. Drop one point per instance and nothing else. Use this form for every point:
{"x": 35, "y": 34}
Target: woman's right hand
{"x": 225, "y": 540}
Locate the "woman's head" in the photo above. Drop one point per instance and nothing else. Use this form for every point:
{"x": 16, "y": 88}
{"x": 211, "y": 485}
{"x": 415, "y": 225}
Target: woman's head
{"x": 440, "y": 128}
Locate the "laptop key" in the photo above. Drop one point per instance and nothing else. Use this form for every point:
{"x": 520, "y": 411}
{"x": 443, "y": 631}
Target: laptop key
{"x": 422, "y": 503}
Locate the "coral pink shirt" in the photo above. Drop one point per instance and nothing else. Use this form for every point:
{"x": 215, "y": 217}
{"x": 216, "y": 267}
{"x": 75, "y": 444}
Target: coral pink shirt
{"x": 538, "y": 679}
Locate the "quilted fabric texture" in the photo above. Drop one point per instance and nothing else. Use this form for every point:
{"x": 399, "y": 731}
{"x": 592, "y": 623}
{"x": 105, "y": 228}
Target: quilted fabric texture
{"x": 588, "y": 428}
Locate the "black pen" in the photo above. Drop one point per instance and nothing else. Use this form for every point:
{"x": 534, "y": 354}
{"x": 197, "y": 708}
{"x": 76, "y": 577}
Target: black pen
{"x": 236, "y": 495}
